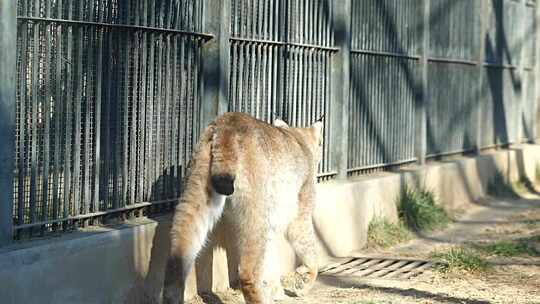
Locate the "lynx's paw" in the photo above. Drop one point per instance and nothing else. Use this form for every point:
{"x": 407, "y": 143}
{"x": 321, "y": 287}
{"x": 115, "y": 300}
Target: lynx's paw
{"x": 300, "y": 282}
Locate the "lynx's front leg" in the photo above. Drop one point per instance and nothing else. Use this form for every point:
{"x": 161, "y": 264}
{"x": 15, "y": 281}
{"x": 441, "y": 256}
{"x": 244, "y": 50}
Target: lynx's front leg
{"x": 302, "y": 238}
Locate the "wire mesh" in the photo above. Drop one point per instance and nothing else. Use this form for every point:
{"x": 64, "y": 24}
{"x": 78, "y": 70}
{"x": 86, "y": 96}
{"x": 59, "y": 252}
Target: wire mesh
{"x": 501, "y": 89}
{"x": 381, "y": 121}
{"x": 280, "y": 58}
{"x": 109, "y": 91}
{"x": 452, "y": 105}
{"x": 530, "y": 107}
{"x": 454, "y": 28}
{"x": 385, "y": 42}
{"x": 451, "y": 112}
{"x": 503, "y": 37}
{"x": 107, "y": 116}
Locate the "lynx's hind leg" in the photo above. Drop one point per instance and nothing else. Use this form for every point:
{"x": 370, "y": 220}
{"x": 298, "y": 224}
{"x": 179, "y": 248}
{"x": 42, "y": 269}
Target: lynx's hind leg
{"x": 302, "y": 238}
{"x": 191, "y": 224}
{"x": 252, "y": 238}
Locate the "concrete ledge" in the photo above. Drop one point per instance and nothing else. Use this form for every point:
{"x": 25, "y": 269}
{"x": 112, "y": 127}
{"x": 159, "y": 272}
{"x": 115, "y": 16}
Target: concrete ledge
{"x": 125, "y": 264}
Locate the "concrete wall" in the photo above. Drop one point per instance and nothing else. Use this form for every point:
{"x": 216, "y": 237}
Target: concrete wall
{"x": 125, "y": 264}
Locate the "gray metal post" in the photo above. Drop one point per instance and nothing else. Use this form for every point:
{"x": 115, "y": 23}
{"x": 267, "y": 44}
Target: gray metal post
{"x": 481, "y": 58}
{"x": 224, "y": 53}
{"x": 420, "y": 123}
{"x": 216, "y": 59}
{"x": 521, "y": 73}
{"x": 8, "y": 41}
{"x": 341, "y": 84}
{"x": 536, "y": 128}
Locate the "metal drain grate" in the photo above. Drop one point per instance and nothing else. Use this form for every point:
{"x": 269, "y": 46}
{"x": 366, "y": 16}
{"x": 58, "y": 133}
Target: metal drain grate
{"x": 377, "y": 268}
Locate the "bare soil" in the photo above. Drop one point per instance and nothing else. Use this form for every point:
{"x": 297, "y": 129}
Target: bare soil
{"x": 510, "y": 280}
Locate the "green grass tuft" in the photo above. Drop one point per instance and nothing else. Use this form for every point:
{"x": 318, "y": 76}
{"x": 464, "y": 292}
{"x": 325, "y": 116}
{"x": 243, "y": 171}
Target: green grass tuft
{"x": 507, "y": 249}
{"x": 384, "y": 234}
{"x": 460, "y": 259}
{"x": 537, "y": 173}
{"x": 418, "y": 209}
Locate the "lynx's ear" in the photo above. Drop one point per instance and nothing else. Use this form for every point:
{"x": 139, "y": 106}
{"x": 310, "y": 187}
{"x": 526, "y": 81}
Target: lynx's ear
{"x": 318, "y": 129}
{"x": 280, "y": 123}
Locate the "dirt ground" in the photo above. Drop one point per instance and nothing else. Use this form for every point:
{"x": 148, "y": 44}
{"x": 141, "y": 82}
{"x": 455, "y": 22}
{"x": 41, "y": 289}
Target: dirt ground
{"x": 510, "y": 280}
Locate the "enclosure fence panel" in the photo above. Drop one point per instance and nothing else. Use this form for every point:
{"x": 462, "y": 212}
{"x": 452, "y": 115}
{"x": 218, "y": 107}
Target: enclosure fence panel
{"x": 110, "y": 94}
{"x": 280, "y": 64}
{"x": 503, "y": 82}
{"x": 453, "y": 56}
{"x": 108, "y": 104}
{"x": 530, "y": 106}
{"x": 386, "y": 38}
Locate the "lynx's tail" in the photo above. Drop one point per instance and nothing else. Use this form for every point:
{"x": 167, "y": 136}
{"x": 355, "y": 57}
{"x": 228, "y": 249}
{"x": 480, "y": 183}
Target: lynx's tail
{"x": 224, "y": 161}
{"x": 211, "y": 176}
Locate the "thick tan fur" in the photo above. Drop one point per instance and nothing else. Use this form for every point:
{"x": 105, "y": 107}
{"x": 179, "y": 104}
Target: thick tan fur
{"x": 269, "y": 173}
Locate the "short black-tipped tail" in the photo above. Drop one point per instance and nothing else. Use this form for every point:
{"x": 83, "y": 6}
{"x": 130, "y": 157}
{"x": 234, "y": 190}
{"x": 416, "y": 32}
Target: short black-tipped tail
{"x": 224, "y": 161}
{"x": 223, "y": 184}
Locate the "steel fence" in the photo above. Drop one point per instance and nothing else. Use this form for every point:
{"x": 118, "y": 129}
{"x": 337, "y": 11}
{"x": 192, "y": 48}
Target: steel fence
{"x": 386, "y": 38}
{"x": 110, "y": 95}
{"x": 280, "y": 63}
{"x": 108, "y": 107}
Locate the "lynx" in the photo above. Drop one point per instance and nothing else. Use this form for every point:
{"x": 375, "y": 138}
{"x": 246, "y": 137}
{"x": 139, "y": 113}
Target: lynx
{"x": 262, "y": 178}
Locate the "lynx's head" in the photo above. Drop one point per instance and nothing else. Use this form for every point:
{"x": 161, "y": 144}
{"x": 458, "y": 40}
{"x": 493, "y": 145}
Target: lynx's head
{"x": 312, "y": 136}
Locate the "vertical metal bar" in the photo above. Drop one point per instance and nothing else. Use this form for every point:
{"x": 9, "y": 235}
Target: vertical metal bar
{"x": 68, "y": 123}
{"x": 522, "y": 44}
{"x": 125, "y": 119}
{"x": 34, "y": 157}
{"x": 224, "y": 53}
{"x": 58, "y": 114}
{"x": 536, "y": 69}
{"x": 143, "y": 150}
{"x": 158, "y": 110}
{"x": 166, "y": 113}
{"x": 134, "y": 143}
{"x": 47, "y": 113}
{"x": 88, "y": 100}
{"x": 150, "y": 140}
{"x": 8, "y": 72}
{"x": 78, "y": 111}
{"x": 420, "y": 137}
{"x": 174, "y": 117}
{"x": 340, "y": 84}
{"x": 480, "y": 74}
{"x": 182, "y": 116}
{"x": 97, "y": 119}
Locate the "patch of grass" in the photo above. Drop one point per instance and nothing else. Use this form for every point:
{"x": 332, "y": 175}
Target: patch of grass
{"x": 537, "y": 173}
{"x": 506, "y": 248}
{"x": 383, "y": 234}
{"x": 419, "y": 210}
{"x": 459, "y": 259}
{"x": 500, "y": 187}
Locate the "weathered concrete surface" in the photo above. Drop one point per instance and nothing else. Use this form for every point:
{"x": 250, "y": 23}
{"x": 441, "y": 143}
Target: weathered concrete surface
{"x": 125, "y": 264}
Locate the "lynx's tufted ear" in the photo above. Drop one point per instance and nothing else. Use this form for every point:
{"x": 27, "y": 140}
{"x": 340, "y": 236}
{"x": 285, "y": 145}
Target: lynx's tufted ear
{"x": 280, "y": 123}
